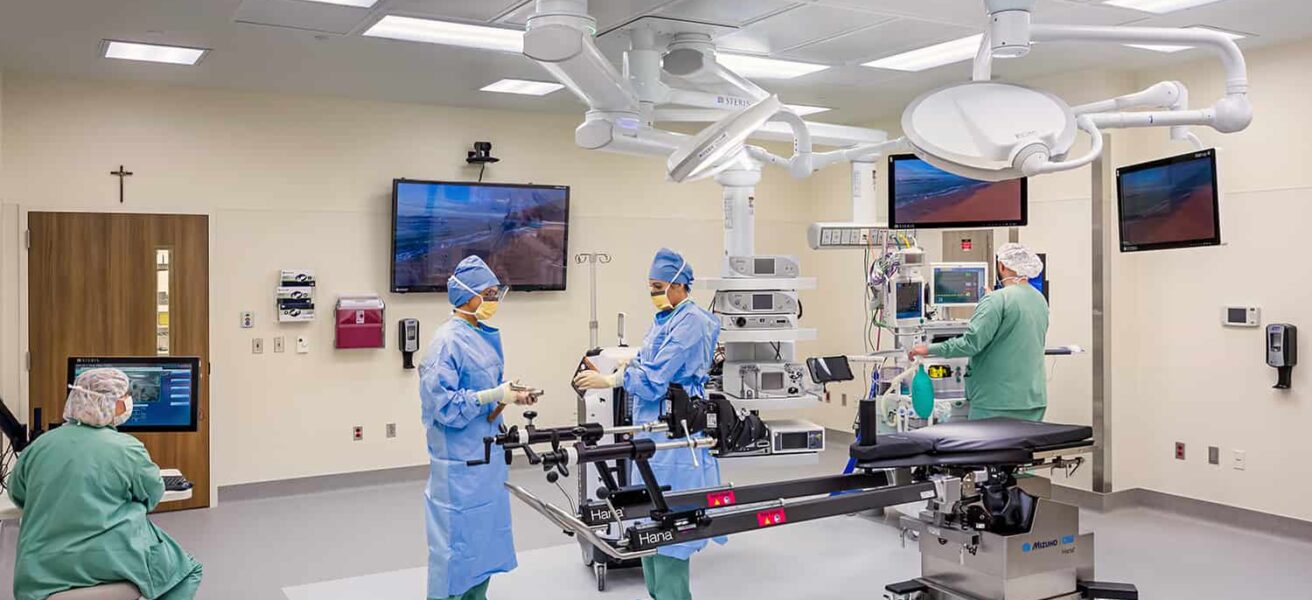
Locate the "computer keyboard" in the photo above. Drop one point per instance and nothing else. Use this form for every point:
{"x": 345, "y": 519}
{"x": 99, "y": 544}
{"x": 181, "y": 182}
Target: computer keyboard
{"x": 176, "y": 483}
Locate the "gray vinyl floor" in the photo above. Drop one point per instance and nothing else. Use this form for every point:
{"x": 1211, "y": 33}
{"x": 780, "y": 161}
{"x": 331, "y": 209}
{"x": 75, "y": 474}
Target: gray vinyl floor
{"x": 368, "y": 543}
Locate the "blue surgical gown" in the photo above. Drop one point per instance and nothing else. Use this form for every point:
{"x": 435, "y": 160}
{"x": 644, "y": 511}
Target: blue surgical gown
{"x": 469, "y": 537}
{"x": 678, "y": 349}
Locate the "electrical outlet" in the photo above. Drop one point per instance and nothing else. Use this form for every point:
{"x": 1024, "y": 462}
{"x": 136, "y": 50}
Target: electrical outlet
{"x": 1241, "y": 460}
{"x": 391, "y": 430}
{"x": 278, "y": 345}
{"x": 257, "y": 346}
{"x": 302, "y": 345}
{"x": 247, "y": 319}
{"x": 1179, "y": 451}
{"x": 357, "y": 433}
{"x": 1213, "y": 455}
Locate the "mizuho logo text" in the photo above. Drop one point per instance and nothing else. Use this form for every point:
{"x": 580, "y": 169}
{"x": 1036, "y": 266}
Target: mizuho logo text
{"x": 1045, "y": 544}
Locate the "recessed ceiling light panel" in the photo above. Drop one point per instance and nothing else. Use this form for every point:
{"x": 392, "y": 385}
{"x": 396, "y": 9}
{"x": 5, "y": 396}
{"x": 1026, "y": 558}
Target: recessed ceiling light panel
{"x": 448, "y": 33}
{"x": 522, "y": 86}
{"x": 173, "y": 55}
{"x": 930, "y": 57}
{"x": 760, "y": 67}
{"x": 1158, "y": 6}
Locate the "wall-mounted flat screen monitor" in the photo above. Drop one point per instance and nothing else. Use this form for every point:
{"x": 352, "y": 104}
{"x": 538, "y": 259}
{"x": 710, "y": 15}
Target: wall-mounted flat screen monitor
{"x": 521, "y": 231}
{"x": 922, "y": 196}
{"x": 164, "y": 389}
{"x": 1169, "y": 203}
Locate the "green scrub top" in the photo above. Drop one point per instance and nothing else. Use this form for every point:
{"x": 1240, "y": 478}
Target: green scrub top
{"x": 1005, "y": 343}
{"x": 85, "y": 492}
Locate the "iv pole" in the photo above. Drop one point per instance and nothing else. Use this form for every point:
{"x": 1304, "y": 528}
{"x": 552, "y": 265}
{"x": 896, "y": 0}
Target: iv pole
{"x": 592, "y": 258}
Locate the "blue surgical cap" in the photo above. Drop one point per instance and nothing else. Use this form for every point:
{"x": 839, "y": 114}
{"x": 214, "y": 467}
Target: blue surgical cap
{"x": 472, "y": 272}
{"x": 670, "y": 266}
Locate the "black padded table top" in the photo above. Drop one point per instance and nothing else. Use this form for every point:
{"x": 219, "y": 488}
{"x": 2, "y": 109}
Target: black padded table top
{"x": 972, "y": 440}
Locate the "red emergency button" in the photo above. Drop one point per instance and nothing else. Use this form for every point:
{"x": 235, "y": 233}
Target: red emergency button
{"x": 715, "y": 499}
{"x": 766, "y": 518}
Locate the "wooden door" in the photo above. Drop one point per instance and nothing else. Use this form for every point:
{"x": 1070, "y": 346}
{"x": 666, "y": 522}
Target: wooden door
{"x": 95, "y": 288}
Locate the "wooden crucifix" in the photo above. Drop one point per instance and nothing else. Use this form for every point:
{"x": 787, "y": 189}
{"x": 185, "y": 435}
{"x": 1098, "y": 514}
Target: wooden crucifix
{"x": 121, "y": 173}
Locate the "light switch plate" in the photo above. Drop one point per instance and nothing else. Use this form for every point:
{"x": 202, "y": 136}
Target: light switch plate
{"x": 257, "y": 346}
{"x": 278, "y": 344}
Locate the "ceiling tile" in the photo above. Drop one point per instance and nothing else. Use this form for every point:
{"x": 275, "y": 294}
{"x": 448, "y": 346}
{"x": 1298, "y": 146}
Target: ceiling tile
{"x": 957, "y": 12}
{"x": 735, "y": 14}
{"x": 609, "y": 13}
{"x": 464, "y": 10}
{"x": 876, "y": 42}
{"x": 798, "y": 27}
{"x": 296, "y": 14}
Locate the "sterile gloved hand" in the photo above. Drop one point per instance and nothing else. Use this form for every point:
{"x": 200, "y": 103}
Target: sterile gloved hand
{"x": 523, "y": 395}
{"x": 592, "y": 380}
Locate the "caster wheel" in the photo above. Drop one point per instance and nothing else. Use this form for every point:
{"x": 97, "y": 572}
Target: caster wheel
{"x": 599, "y": 569}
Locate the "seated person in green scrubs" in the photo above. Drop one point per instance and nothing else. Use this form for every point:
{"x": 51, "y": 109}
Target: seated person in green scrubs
{"x": 1005, "y": 341}
{"x": 85, "y": 490}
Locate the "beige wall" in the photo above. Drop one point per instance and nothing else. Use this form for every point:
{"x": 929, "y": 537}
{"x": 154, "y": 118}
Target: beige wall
{"x": 1198, "y": 382}
{"x": 301, "y": 182}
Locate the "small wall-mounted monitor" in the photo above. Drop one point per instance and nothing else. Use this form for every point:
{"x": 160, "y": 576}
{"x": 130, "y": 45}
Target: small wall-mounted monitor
{"x": 922, "y": 196}
{"x": 1169, "y": 203}
{"x": 521, "y": 231}
{"x": 164, "y": 389}
{"x": 958, "y": 284}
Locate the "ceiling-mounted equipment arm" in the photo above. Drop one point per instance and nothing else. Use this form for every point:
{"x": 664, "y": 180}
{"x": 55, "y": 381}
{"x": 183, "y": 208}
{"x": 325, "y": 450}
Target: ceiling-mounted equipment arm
{"x": 559, "y": 37}
{"x": 1038, "y": 163}
{"x": 1232, "y": 113}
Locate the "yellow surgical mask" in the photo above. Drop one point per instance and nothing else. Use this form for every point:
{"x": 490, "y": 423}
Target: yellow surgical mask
{"x": 486, "y": 310}
{"x": 662, "y": 300}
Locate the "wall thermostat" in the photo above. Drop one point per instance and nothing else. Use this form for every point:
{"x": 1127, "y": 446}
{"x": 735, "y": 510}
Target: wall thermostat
{"x": 1241, "y": 316}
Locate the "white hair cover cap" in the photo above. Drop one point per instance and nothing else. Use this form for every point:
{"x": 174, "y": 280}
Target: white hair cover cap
{"x": 1020, "y": 259}
{"x": 93, "y": 396}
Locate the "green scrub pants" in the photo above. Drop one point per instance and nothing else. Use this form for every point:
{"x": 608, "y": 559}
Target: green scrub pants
{"x": 667, "y": 578}
{"x": 1025, "y": 414}
{"x": 186, "y": 589}
{"x": 478, "y": 592}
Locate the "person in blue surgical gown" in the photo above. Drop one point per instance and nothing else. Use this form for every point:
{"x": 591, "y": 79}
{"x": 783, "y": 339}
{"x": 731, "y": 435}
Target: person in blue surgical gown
{"x": 678, "y": 349}
{"x": 461, "y": 383}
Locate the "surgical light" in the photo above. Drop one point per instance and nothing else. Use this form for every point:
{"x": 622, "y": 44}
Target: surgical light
{"x": 759, "y": 67}
{"x": 1158, "y": 6}
{"x": 448, "y": 33}
{"x": 803, "y": 110}
{"x": 699, "y": 156}
{"x": 1171, "y": 48}
{"x": 174, "y": 55}
{"x": 989, "y": 130}
{"x": 355, "y": 3}
{"x": 930, "y": 57}
{"x": 522, "y": 86}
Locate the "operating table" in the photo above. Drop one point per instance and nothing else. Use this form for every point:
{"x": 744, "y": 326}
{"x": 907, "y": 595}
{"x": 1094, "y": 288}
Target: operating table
{"x": 981, "y": 536}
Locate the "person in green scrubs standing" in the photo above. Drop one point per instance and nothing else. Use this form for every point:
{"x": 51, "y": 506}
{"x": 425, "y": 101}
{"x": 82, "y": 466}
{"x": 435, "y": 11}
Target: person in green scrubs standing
{"x": 1005, "y": 342}
{"x": 85, "y": 490}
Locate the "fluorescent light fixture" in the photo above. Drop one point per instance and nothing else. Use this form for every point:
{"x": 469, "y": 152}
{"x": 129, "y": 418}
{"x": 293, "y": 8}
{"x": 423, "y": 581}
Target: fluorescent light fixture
{"x": 448, "y": 33}
{"x": 930, "y": 57}
{"x": 174, "y": 55}
{"x": 803, "y": 110}
{"x": 1158, "y": 6}
{"x": 1169, "y": 49}
{"x": 355, "y": 3}
{"x": 522, "y": 86}
{"x": 759, "y": 67}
